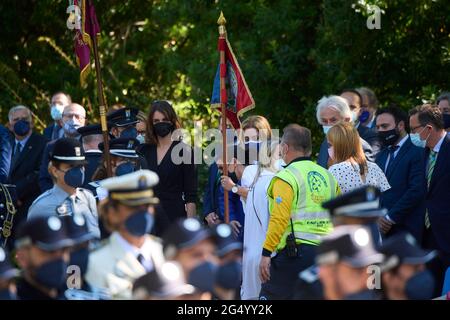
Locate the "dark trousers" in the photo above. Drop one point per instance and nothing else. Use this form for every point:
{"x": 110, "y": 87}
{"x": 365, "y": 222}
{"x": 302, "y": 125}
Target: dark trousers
{"x": 438, "y": 265}
{"x": 284, "y": 272}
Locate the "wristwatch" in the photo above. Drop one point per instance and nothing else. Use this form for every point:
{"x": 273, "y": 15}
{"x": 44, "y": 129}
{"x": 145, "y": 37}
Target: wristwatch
{"x": 235, "y": 188}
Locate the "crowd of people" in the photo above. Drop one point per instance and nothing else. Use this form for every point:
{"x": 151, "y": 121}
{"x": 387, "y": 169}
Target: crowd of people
{"x": 367, "y": 219}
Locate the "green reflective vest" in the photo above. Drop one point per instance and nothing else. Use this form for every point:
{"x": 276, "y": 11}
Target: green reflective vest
{"x": 312, "y": 185}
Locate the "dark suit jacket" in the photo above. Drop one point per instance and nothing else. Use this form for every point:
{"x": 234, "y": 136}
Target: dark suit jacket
{"x": 438, "y": 196}
{"x": 45, "y": 181}
{"x": 210, "y": 197}
{"x": 24, "y": 174}
{"x": 405, "y": 200}
{"x": 371, "y": 136}
{"x": 48, "y": 132}
{"x": 322, "y": 159}
{"x": 5, "y": 154}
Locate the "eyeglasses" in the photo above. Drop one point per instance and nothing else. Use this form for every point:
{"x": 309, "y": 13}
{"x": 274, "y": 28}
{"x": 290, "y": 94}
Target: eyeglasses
{"x": 415, "y": 128}
{"x": 73, "y": 115}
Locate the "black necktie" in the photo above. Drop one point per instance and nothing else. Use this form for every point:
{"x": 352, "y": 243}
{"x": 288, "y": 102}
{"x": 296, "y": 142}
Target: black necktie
{"x": 392, "y": 150}
{"x": 16, "y": 154}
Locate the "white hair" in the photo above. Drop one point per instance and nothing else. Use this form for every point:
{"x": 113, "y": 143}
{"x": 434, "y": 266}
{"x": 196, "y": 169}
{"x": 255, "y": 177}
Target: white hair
{"x": 18, "y": 108}
{"x": 334, "y": 102}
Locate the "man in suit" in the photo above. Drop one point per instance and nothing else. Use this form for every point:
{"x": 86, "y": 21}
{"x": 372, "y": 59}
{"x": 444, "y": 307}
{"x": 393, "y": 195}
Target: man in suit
{"x": 401, "y": 161}
{"x": 59, "y": 101}
{"x": 331, "y": 111}
{"x": 369, "y": 134}
{"x": 369, "y": 107}
{"x": 427, "y": 131}
{"x": 74, "y": 117}
{"x": 28, "y": 148}
{"x": 443, "y": 102}
{"x": 5, "y": 154}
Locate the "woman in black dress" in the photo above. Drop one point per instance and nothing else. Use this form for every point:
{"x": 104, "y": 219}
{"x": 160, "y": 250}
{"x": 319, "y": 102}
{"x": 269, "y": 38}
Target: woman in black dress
{"x": 172, "y": 160}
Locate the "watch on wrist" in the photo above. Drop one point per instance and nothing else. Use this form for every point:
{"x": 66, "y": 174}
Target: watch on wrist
{"x": 235, "y": 188}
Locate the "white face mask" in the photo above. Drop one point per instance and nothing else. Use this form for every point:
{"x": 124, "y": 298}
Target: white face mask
{"x": 141, "y": 138}
{"x": 326, "y": 129}
{"x": 56, "y": 111}
{"x": 331, "y": 152}
{"x": 279, "y": 164}
{"x": 417, "y": 141}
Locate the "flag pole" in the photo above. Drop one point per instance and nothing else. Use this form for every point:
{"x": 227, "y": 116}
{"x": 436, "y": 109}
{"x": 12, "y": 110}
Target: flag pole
{"x": 223, "y": 101}
{"x": 101, "y": 101}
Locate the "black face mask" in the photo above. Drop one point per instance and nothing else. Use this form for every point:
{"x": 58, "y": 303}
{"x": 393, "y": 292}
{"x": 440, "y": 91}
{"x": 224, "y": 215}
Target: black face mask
{"x": 446, "y": 118}
{"x": 162, "y": 129}
{"x": 390, "y": 137}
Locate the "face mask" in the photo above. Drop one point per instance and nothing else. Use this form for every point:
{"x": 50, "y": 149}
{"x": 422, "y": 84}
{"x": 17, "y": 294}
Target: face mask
{"x": 228, "y": 276}
{"x": 56, "y": 111}
{"x": 280, "y": 164}
{"x": 331, "y": 152}
{"x": 364, "y": 116}
{"x": 141, "y": 138}
{"x": 203, "y": 276}
{"x": 354, "y": 117}
{"x": 70, "y": 128}
{"x": 162, "y": 129}
{"x": 6, "y": 294}
{"x": 80, "y": 258}
{"x": 125, "y": 168}
{"x": 130, "y": 132}
{"x": 52, "y": 274}
{"x": 74, "y": 177}
{"x": 417, "y": 141}
{"x": 446, "y": 118}
{"x": 326, "y": 129}
{"x": 233, "y": 177}
{"x": 21, "y": 128}
{"x": 139, "y": 223}
{"x": 420, "y": 286}
{"x": 390, "y": 137}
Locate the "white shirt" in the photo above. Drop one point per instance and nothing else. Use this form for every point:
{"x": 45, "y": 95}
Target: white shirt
{"x": 349, "y": 178}
{"x": 145, "y": 251}
{"x": 255, "y": 227}
{"x": 399, "y": 144}
{"x": 438, "y": 145}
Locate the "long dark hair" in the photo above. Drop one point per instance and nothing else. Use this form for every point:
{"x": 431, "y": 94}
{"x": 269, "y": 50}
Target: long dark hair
{"x": 167, "y": 110}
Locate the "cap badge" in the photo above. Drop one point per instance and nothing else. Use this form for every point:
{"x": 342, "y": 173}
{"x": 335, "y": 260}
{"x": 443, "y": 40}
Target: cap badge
{"x": 191, "y": 225}
{"x": 128, "y": 113}
{"x": 77, "y": 151}
{"x": 130, "y": 144}
{"x": 142, "y": 182}
{"x": 54, "y": 223}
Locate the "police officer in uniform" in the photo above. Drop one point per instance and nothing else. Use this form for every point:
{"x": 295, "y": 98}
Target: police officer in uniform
{"x": 358, "y": 207}
{"x": 297, "y": 218}
{"x": 66, "y": 197}
{"x": 405, "y": 276}
{"x": 130, "y": 251}
{"x": 91, "y": 137}
{"x": 123, "y": 122}
{"x": 343, "y": 258}
{"x": 43, "y": 255}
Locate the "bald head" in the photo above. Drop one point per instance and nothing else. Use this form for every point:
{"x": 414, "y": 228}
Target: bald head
{"x": 76, "y": 112}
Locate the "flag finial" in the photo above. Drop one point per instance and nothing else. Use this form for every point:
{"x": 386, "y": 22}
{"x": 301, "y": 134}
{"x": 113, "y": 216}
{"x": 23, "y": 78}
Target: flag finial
{"x": 221, "y": 21}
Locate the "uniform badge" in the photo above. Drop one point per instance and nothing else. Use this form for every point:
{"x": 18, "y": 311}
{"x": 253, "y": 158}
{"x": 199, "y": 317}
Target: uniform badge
{"x": 77, "y": 151}
{"x": 279, "y": 200}
{"x": 54, "y": 223}
{"x": 62, "y": 210}
{"x": 128, "y": 113}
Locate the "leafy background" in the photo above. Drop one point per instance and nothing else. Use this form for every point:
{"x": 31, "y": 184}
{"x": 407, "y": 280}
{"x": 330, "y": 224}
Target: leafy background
{"x": 292, "y": 52}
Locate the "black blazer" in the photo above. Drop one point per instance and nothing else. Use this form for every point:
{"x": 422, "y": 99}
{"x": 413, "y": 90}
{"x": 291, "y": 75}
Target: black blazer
{"x": 25, "y": 172}
{"x": 438, "y": 196}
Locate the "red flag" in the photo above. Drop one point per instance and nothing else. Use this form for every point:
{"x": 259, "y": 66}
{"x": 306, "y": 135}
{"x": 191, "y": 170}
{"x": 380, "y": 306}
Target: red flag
{"x": 83, "y": 36}
{"x": 237, "y": 96}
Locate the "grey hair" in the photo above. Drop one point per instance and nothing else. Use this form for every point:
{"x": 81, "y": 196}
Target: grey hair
{"x": 443, "y": 96}
{"x": 19, "y": 108}
{"x": 334, "y": 102}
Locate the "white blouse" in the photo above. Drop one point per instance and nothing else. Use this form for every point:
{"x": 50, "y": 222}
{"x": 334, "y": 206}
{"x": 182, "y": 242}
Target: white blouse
{"x": 349, "y": 178}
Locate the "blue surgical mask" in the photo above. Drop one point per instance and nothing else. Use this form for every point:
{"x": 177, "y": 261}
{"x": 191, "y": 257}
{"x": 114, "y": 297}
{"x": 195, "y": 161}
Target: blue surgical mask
{"x": 228, "y": 276}
{"x": 125, "y": 168}
{"x": 139, "y": 223}
{"x": 364, "y": 116}
{"x": 130, "y": 132}
{"x": 141, "y": 138}
{"x": 52, "y": 274}
{"x": 80, "y": 258}
{"x": 22, "y": 127}
{"x": 56, "y": 111}
{"x": 417, "y": 141}
{"x": 420, "y": 286}
{"x": 326, "y": 129}
{"x": 70, "y": 127}
{"x": 74, "y": 177}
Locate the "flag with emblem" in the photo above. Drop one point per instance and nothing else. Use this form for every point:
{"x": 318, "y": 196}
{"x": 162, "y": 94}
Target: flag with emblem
{"x": 236, "y": 95}
{"x": 87, "y": 27}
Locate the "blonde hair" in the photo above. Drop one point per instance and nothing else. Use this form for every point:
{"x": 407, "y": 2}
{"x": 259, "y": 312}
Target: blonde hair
{"x": 347, "y": 145}
{"x": 260, "y": 124}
